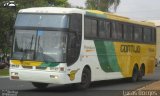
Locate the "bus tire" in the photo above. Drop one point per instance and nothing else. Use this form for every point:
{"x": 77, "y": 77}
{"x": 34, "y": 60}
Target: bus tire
{"x": 143, "y": 70}
{"x": 135, "y": 74}
{"x": 40, "y": 85}
{"x": 85, "y": 79}
{"x": 139, "y": 76}
{"x": 141, "y": 73}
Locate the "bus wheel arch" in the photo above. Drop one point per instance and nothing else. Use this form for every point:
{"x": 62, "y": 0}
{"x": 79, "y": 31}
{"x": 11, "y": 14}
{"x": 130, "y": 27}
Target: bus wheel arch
{"x": 87, "y": 67}
{"x": 85, "y": 78}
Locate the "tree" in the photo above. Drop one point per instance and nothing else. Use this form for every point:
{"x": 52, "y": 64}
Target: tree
{"x": 102, "y": 5}
{"x": 41, "y": 3}
{"x": 8, "y": 15}
{"x": 6, "y": 27}
{"x": 61, "y": 3}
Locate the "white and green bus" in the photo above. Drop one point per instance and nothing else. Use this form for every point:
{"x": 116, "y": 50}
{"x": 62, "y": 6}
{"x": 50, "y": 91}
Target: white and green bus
{"x": 75, "y": 46}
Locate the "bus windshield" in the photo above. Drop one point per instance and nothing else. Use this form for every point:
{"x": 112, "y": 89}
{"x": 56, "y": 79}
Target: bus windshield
{"x": 40, "y": 45}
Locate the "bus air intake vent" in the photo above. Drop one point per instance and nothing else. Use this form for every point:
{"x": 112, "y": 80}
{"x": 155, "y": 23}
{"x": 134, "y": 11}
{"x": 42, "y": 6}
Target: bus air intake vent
{"x": 41, "y": 68}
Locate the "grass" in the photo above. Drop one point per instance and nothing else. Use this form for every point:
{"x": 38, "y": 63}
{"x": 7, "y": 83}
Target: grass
{"x": 4, "y": 72}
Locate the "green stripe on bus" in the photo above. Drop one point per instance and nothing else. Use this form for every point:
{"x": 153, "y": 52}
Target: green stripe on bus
{"x": 107, "y": 56}
{"x": 49, "y": 64}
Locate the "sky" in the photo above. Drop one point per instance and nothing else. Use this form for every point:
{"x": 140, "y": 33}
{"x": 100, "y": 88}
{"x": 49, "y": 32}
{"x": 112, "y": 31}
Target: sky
{"x": 77, "y": 2}
{"x": 135, "y": 9}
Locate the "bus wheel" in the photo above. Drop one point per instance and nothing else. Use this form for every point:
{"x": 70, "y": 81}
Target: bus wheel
{"x": 141, "y": 73}
{"x": 85, "y": 79}
{"x": 143, "y": 70}
{"x": 39, "y": 85}
{"x": 135, "y": 74}
{"x": 139, "y": 76}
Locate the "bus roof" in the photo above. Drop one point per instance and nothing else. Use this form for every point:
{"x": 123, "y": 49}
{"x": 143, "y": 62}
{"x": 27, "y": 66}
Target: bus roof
{"x": 53, "y": 10}
{"x": 156, "y": 22}
{"x": 95, "y": 13}
{"x": 118, "y": 18}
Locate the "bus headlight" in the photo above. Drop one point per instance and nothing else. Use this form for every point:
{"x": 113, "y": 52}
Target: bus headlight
{"x": 14, "y": 66}
{"x": 61, "y": 69}
{"x": 54, "y": 68}
{"x": 14, "y": 73}
{"x": 54, "y": 76}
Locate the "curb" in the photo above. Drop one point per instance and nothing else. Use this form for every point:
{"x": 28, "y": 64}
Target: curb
{"x": 4, "y": 76}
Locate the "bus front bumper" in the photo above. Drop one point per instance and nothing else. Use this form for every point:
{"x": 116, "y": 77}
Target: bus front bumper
{"x": 38, "y": 76}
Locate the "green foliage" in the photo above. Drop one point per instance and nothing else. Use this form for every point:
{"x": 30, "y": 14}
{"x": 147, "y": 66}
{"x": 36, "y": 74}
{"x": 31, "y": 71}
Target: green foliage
{"x": 4, "y": 72}
{"x": 91, "y": 4}
{"x": 8, "y": 15}
{"x": 102, "y": 5}
{"x": 41, "y": 3}
{"x": 61, "y": 3}
{"x": 6, "y": 29}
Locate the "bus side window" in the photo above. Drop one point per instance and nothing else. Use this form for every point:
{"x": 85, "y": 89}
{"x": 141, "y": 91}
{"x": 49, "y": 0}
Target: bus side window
{"x": 75, "y": 23}
{"x": 104, "y": 29}
{"x": 74, "y": 38}
{"x": 101, "y": 29}
{"x": 90, "y": 30}
{"x": 138, "y": 33}
{"x": 119, "y": 30}
{"x": 147, "y": 34}
{"x": 113, "y": 28}
{"x": 71, "y": 50}
{"x": 108, "y": 29}
{"x": 94, "y": 28}
{"x": 128, "y": 32}
{"x": 154, "y": 35}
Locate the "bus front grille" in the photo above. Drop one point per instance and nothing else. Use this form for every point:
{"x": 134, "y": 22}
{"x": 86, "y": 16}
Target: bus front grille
{"x": 27, "y": 67}
{"x": 41, "y": 68}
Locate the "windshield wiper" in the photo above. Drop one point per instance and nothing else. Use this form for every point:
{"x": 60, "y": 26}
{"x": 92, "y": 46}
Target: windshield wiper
{"x": 40, "y": 49}
{"x": 31, "y": 42}
{"x": 28, "y": 47}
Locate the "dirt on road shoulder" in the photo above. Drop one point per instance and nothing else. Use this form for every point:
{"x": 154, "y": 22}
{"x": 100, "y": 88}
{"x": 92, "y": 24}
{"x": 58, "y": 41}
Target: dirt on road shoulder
{"x": 152, "y": 86}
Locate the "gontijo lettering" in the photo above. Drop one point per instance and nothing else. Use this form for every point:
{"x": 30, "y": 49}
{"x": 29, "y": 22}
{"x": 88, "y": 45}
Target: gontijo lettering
{"x": 130, "y": 48}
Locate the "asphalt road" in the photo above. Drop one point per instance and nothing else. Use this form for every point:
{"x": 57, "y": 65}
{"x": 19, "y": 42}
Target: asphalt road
{"x": 102, "y": 88}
